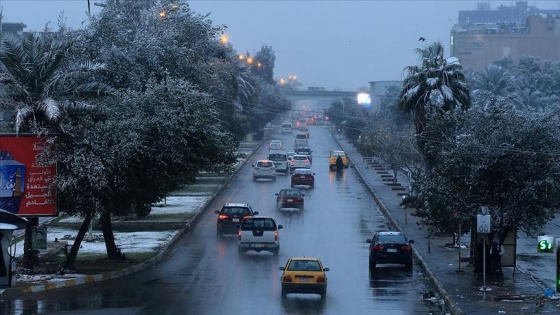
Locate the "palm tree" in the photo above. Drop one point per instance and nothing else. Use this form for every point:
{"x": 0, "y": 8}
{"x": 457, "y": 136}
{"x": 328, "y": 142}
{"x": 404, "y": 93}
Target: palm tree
{"x": 495, "y": 80}
{"x": 38, "y": 82}
{"x": 438, "y": 83}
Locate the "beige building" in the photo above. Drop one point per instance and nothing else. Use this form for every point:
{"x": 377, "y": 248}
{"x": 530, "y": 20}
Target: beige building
{"x": 478, "y": 45}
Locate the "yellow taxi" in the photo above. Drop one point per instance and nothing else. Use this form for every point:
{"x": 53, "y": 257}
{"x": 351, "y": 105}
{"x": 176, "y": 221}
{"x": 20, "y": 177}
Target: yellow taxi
{"x": 334, "y": 155}
{"x": 304, "y": 275}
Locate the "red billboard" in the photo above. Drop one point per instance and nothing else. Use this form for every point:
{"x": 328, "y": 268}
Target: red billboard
{"x": 26, "y": 184}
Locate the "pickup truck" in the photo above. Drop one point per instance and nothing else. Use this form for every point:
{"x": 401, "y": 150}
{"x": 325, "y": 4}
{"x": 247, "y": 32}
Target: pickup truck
{"x": 258, "y": 233}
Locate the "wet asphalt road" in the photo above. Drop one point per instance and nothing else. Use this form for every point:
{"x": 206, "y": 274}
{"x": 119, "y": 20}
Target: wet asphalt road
{"x": 205, "y": 275}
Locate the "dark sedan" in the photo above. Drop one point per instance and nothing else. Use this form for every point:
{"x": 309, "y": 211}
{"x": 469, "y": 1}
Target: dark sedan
{"x": 231, "y": 215}
{"x": 390, "y": 248}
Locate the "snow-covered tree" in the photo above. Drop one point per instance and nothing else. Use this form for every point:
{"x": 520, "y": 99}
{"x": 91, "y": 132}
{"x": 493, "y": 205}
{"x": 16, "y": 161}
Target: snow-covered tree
{"x": 134, "y": 150}
{"x": 435, "y": 87}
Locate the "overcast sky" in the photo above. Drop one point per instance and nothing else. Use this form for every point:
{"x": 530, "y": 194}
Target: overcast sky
{"x": 333, "y": 44}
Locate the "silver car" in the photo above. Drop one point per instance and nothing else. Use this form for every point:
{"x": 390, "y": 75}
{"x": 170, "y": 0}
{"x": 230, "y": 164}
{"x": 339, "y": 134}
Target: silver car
{"x": 264, "y": 169}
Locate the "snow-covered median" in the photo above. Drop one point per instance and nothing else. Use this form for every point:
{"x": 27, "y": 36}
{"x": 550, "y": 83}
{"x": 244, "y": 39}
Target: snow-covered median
{"x": 129, "y": 242}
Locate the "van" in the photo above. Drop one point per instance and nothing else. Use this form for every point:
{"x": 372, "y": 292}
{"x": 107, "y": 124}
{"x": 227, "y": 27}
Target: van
{"x": 286, "y": 127}
{"x": 280, "y": 160}
{"x": 301, "y": 140}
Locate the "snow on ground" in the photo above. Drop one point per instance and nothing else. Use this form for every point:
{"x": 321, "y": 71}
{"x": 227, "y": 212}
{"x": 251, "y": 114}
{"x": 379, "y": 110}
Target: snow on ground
{"x": 128, "y": 242}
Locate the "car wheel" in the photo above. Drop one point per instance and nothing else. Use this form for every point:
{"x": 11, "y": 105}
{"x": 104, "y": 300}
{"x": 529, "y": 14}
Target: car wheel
{"x": 312, "y": 185}
{"x": 292, "y": 185}
{"x": 240, "y": 251}
{"x": 323, "y": 294}
{"x": 254, "y": 178}
{"x": 276, "y": 250}
{"x": 371, "y": 265}
{"x": 284, "y": 293}
{"x": 274, "y": 178}
{"x": 219, "y": 233}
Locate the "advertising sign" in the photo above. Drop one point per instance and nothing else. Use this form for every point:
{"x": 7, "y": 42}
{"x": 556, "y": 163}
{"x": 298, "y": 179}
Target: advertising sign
{"x": 39, "y": 238}
{"x": 26, "y": 185}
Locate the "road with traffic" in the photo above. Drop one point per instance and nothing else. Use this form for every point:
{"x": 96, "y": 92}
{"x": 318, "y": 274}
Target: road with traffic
{"x": 204, "y": 274}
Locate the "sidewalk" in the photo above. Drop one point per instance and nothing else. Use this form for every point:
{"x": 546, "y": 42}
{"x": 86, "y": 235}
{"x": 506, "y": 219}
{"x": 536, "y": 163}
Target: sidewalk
{"x": 455, "y": 283}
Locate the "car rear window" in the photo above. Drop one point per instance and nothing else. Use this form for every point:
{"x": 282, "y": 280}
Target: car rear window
{"x": 265, "y": 164}
{"x": 301, "y": 136}
{"x": 236, "y": 210}
{"x": 383, "y": 239}
{"x": 263, "y": 224}
{"x": 300, "y": 158}
{"x": 304, "y": 265}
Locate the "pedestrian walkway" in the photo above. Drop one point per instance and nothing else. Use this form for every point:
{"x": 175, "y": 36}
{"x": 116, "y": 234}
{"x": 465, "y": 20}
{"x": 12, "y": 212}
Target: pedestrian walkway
{"x": 455, "y": 283}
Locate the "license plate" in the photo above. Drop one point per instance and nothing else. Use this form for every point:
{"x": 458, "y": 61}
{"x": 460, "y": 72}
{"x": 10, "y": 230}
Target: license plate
{"x": 302, "y": 176}
{"x": 259, "y": 245}
{"x": 391, "y": 250}
{"x": 235, "y": 220}
{"x": 304, "y": 279}
{"x": 290, "y": 200}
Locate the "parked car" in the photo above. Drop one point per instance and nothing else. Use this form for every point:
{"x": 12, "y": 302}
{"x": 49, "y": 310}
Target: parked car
{"x": 264, "y": 169}
{"x": 305, "y": 151}
{"x": 299, "y": 161}
{"x": 390, "y": 248}
{"x": 258, "y": 233}
{"x": 276, "y": 145}
{"x": 230, "y": 215}
{"x": 304, "y": 275}
{"x": 303, "y": 176}
{"x": 290, "y": 198}
{"x": 334, "y": 155}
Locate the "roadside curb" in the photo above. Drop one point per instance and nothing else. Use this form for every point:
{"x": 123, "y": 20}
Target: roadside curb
{"x": 140, "y": 266}
{"x": 449, "y": 302}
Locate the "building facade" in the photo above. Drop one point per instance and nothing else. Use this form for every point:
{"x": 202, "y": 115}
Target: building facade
{"x": 485, "y": 36}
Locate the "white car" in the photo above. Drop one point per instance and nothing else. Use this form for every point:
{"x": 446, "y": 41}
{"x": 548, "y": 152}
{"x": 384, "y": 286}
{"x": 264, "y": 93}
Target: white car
{"x": 258, "y": 233}
{"x": 264, "y": 169}
{"x": 299, "y": 161}
{"x": 276, "y": 145}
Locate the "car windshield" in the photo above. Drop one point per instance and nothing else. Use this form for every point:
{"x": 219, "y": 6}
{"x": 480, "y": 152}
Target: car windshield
{"x": 387, "y": 238}
{"x": 304, "y": 265}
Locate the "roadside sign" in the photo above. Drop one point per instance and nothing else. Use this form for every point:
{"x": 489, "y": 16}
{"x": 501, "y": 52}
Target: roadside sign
{"x": 483, "y": 223}
{"x": 545, "y": 244}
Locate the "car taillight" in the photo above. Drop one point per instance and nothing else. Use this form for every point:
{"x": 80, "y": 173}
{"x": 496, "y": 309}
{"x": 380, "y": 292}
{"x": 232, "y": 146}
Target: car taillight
{"x": 287, "y": 279}
{"x": 239, "y": 235}
{"x": 223, "y": 216}
{"x": 378, "y": 247}
{"x": 275, "y": 235}
{"x": 320, "y": 279}
{"x": 405, "y": 248}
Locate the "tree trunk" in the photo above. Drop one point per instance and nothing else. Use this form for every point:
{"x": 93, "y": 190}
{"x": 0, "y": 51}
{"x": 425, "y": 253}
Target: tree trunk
{"x": 107, "y": 227}
{"x": 71, "y": 258}
{"x": 29, "y": 255}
